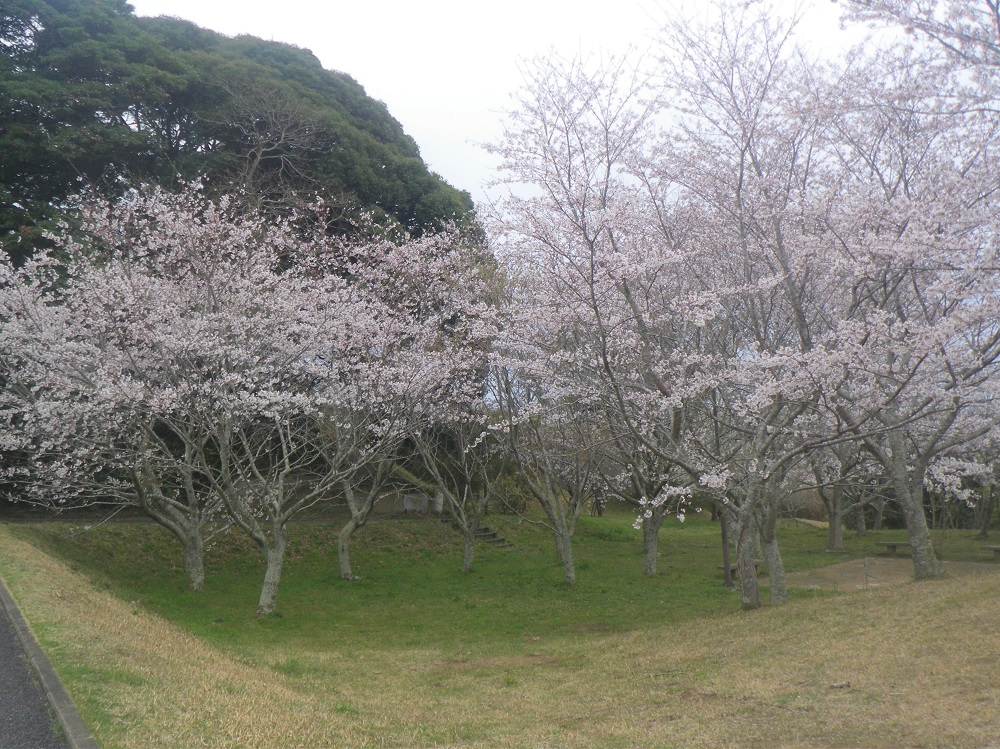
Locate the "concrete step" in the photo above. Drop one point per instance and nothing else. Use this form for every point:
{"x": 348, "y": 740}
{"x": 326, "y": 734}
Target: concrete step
{"x": 485, "y": 534}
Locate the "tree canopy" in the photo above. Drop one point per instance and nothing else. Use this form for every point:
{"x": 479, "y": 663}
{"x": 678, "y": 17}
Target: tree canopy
{"x": 93, "y": 95}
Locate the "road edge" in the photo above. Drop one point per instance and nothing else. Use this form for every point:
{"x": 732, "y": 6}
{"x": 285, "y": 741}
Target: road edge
{"x": 75, "y": 730}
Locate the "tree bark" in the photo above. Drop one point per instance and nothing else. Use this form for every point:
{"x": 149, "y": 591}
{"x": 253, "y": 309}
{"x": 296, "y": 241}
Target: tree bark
{"x": 772, "y": 556}
{"x": 468, "y": 547}
{"x": 360, "y": 512}
{"x": 650, "y": 539}
{"x": 727, "y": 572}
{"x": 732, "y": 527}
{"x": 909, "y": 489}
{"x": 344, "y": 548}
{"x": 833, "y": 499}
{"x": 567, "y": 558}
{"x": 187, "y": 530}
{"x": 562, "y": 532}
{"x": 272, "y": 575}
{"x": 747, "y": 545}
{"x": 563, "y": 538}
{"x": 991, "y": 501}
{"x": 860, "y": 520}
{"x": 925, "y": 561}
{"x": 835, "y": 533}
{"x": 756, "y": 537}
{"x": 194, "y": 561}
{"x": 879, "y": 513}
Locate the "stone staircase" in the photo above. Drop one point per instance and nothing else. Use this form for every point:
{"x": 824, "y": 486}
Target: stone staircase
{"x": 485, "y": 534}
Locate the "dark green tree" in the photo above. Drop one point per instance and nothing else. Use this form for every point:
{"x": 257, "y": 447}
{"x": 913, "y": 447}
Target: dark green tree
{"x": 93, "y": 96}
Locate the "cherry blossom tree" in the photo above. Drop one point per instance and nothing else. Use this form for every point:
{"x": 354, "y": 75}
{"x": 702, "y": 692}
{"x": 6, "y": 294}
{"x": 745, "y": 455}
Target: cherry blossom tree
{"x": 660, "y": 265}
{"x": 841, "y": 473}
{"x": 744, "y": 155}
{"x": 464, "y": 461}
{"x": 916, "y": 227}
{"x": 207, "y": 356}
{"x": 553, "y": 451}
{"x": 639, "y": 477}
{"x": 774, "y": 258}
{"x": 967, "y": 30}
{"x": 425, "y": 365}
{"x": 563, "y": 243}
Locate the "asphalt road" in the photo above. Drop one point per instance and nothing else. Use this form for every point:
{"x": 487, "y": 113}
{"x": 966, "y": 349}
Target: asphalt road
{"x": 26, "y": 718}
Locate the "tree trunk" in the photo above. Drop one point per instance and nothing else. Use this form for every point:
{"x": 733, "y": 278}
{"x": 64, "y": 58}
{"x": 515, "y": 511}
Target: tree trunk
{"x": 468, "y": 547}
{"x": 732, "y": 527}
{"x": 835, "y": 533}
{"x": 909, "y": 495}
{"x": 833, "y": 501}
{"x": 187, "y": 530}
{"x": 360, "y": 512}
{"x": 756, "y": 537}
{"x": 562, "y": 533}
{"x": 860, "y": 520}
{"x": 650, "y": 539}
{"x": 272, "y": 575}
{"x": 343, "y": 548}
{"x": 984, "y": 528}
{"x": 879, "y": 513}
{"x": 747, "y": 545}
{"x": 775, "y": 568}
{"x": 727, "y": 572}
{"x": 832, "y": 498}
{"x": 563, "y": 542}
{"x": 925, "y": 561}
{"x": 567, "y": 559}
{"x": 194, "y": 561}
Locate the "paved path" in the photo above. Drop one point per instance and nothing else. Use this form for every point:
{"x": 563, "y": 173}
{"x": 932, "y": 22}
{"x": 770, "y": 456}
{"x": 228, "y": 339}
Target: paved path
{"x": 26, "y": 721}
{"x": 35, "y": 711}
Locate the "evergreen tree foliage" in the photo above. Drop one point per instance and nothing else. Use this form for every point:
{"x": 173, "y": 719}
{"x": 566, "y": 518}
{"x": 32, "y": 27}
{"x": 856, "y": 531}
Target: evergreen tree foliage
{"x": 93, "y": 96}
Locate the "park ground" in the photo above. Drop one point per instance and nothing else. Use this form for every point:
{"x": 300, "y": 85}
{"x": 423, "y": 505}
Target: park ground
{"x": 416, "y": 654}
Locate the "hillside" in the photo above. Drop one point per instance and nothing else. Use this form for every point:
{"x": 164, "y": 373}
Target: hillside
{"x": 418, "y": 654}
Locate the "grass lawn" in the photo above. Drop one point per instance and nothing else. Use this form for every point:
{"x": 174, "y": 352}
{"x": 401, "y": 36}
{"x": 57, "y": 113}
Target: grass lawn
{"x": 417, "y": 654}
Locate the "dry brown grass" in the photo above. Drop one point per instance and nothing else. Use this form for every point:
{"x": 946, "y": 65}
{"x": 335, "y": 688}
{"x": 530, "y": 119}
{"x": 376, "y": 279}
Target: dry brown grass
{"x": 921, "y": 660}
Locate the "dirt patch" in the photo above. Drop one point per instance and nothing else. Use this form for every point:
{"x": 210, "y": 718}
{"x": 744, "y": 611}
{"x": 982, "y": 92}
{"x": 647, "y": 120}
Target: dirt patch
{"x": 874, "y": 572}
{"x": 812, "y": 523}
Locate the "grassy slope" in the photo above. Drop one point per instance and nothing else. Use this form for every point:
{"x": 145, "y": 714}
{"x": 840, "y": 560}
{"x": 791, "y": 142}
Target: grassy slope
{"x": 417, "y": 654}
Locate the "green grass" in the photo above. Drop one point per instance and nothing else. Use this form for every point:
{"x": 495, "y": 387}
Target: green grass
{"x": 416, "y": 653}
{"x": 412, "y": 591}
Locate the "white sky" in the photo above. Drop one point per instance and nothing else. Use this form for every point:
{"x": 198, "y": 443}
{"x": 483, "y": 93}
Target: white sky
{"x": 446, "y": 68}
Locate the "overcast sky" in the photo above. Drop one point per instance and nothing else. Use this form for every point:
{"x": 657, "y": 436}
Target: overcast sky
{"x": 445, "y": 68}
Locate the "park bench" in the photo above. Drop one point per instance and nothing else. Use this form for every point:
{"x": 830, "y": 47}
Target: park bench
{"x": 891, "y": 546}
{"x": 994, "y": 549}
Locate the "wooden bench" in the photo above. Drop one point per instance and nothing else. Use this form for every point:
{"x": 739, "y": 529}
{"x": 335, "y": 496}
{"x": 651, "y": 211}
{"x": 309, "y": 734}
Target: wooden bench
{"x": 891, "y": 546}
{"x": 994, "y": 549}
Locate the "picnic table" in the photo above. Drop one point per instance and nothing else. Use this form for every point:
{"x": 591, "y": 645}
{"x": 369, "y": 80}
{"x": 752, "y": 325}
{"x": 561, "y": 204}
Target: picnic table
{"x": 994, "y": 549}
{"x": 891, "y": 546}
